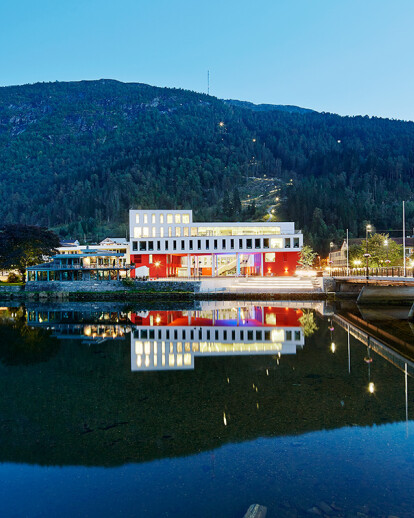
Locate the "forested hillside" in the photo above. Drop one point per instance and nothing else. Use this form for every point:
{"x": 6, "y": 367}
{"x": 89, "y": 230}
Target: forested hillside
{"x": 78, "y": 155}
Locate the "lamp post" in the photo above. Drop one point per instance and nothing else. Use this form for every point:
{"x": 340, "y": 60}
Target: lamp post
{"x": 330, "y": 260}
{"x": 367, "y": 255}
{"x": 387, "y": 261}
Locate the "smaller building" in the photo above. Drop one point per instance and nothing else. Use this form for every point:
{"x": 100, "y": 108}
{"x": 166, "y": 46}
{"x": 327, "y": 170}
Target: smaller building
{"x": 86, "y": 265}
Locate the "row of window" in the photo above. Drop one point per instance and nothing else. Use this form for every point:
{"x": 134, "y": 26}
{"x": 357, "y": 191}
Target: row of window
{"x": 216, "y": 334}
{"x": 170, "y": 218}
{"x": 226, "y": 244}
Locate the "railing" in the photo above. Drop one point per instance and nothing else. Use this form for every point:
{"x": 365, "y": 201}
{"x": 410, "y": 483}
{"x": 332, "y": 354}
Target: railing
{"x": 52, "y": 266}
{"x": 390, "y": 271}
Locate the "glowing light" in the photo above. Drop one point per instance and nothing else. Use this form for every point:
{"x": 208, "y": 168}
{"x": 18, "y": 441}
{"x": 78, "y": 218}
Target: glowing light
{"x": 254, "y": 140}
{"x": 158, "y": 319}
{"x": 371, "y": 388}
{"x": 333, "y": 347}
{"x": 221, "y": 124}
{"x": 267, "y": 372}
{"x": 224, "y": 419}
{"x": 157, "y": 263}
{"x": 228, "y": 380}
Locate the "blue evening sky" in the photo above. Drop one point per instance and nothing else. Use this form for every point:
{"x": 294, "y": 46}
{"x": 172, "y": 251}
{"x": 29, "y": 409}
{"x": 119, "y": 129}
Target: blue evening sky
{"x": 344, "y": 56}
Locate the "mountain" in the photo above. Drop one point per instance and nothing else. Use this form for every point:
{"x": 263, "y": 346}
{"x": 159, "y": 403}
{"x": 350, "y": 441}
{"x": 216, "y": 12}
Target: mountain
{"x": 268, "y": 107}
{"x": 76, "y": 156}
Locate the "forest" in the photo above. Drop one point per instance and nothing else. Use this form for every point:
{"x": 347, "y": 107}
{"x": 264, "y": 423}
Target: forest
{"x": 76, "y": 156}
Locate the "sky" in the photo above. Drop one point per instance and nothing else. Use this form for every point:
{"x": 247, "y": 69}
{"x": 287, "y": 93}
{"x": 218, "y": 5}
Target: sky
{"x": 352, "y": 57}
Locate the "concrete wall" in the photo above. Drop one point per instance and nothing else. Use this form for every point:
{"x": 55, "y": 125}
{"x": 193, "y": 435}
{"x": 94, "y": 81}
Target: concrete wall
{"x": 112, "y": 286}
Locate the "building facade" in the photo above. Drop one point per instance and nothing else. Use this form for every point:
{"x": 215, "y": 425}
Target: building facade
{"x": 170, "y": 244}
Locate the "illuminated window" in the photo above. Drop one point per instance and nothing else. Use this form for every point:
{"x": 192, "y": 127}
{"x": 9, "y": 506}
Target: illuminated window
{"x": 195, "y": 346}
{"x": 162, "y": 232}
{"x": 193, "y": 231}
{"x": 161, "y": 218}
{"x": 187, "y": 359}
{"x": 145, "y": 218}
{"x": 179, "y": 347}
{"x": 169, "y": 231}
{"x": 137, "y": 232}
{"x": 147, "y": 347}
{"x": 270, "y": 257}
{"x": 145, "y": 232}
{"x": 187, "y": 346}
{"x": 155, "y": 361}
{"x": 153, "y": 219}
{"x": 150, "y": 256}
{"x": 138, "y": 347}
{"x": 169, "y": 218}
{"x": 186, "y": 218}
{"x": 163, "y": 360}
{"x": 186, "y": 232}
{"x": 276, "y": 242}
{"x": 153, "y": 231}
{"x": 139, "y": 361}
{"x": 179, "y": 360}
{"x": 163, "y": 347}
{"x": 171, "y": 360}
{"x": 177, "y": 231}
{"x": 137, "y": 218}
{"x": 147, "y": 361}
{"x": 178, "y": 218}
{"x": 278, "y": 335}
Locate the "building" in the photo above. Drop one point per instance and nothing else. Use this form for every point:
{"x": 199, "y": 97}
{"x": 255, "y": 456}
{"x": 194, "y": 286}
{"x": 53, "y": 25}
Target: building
{"x": 170, "y": 244}
{"x": 170, "y": 340}
{"x": 88, "y": 264}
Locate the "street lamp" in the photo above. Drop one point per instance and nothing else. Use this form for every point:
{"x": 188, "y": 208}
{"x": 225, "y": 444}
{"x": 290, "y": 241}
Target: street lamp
{"x": 331, "y": 245}
{"x": 367, "y": 255}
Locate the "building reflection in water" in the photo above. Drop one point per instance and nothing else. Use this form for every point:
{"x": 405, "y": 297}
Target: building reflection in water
{"x": 170, "y": 340}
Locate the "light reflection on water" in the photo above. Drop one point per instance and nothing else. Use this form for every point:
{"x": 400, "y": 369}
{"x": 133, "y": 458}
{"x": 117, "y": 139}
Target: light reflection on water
{"x": 257, "y": 412}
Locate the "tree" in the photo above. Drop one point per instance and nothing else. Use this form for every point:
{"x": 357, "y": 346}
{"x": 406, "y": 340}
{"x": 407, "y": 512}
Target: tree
{"x": 25, "y": 245}
{"x": 307, "y": 323}
{"x": 381, "y": 248}
{"x": 307, "y": 257}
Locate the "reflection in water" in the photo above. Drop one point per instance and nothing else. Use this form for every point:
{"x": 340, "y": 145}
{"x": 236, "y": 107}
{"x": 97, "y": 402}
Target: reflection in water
{"x": 265, "y": 414}
{"x": 163, "y": 340}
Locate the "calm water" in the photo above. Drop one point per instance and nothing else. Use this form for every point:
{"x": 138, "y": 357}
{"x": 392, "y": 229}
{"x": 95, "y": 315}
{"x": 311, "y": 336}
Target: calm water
{"x": 120, "y": 411}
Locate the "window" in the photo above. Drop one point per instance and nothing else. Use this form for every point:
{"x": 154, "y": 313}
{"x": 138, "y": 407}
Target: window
{"x": 249, "y": 335}
{"x": 192, "y": 334}
{"x": 193, "y": 231}
{"x": 242, "y": 335}
{"x": 167, "y": 334}
{"x": 134, "y": 246}
{"x": 215, "y": 244}
{"x": 200, "y": 334}
{"x": 153, "y": 219}
{"x": 161, "y": 218}
{"x": 297, "y": 335}
{"x": 249, "y": 243}
{"x": 153, "y": 231}
{"x": 267, "y": 335}
{"x": 177, "y": 231}
{"x": 223, "y": 244}
{"x": 208, "y": 334}
{"x": 186, "y": 232}
{"x": 186, "y": 218}
{"x": 287, "y": 243}
{"x": 257, "y": 243}
{"x": 259, "y": 335}
{"x": 166, "y": 245}
{"x": 199, "y": 244}
{"x": 207, "y": 244}
{"x": 145, "y": 232}
{"x": 158, "y": 245}
{"x": 233, "y": 335}
{"x": 224, "y": 335}
{"x": 276, "y": 242}
{"x": 137, "y": 232}
{"x": 288, "y": 335}
{"x": 178, "y": 218}
{"x": 240, "y": 243}
{"x": 150, "y": 259}
{"x": 183, "y": 334}
{"x": 175, "y": 334}
{"x": 182, "y": 244}
{"x": 216, "y": 334}
{"x": 142, "y": 245}
{"x": 137, "y": 218}
{"x": 174, "y": 245}
{"x": 150, "y": 245}
{"x": 232, "y": 244}
{"x": 191, "y": 244}
{"x": 145, "y": 218}
{"x": 266, "y": 242}
{"x": 152, "y": 334}
{"x": 295, "y": 242}
{"x": 169, "y": 231}
{"x": 270, "y": 257}
{"x": 169, "y": 218}
{"x": 162, "y": 232}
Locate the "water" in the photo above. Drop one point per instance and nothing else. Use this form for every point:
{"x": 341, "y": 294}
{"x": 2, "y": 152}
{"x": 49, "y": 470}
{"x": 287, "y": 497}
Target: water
{"x": 95, "y": 421}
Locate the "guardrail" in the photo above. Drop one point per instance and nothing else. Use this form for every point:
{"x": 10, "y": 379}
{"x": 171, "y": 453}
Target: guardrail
{"x": 390, "y": 271}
